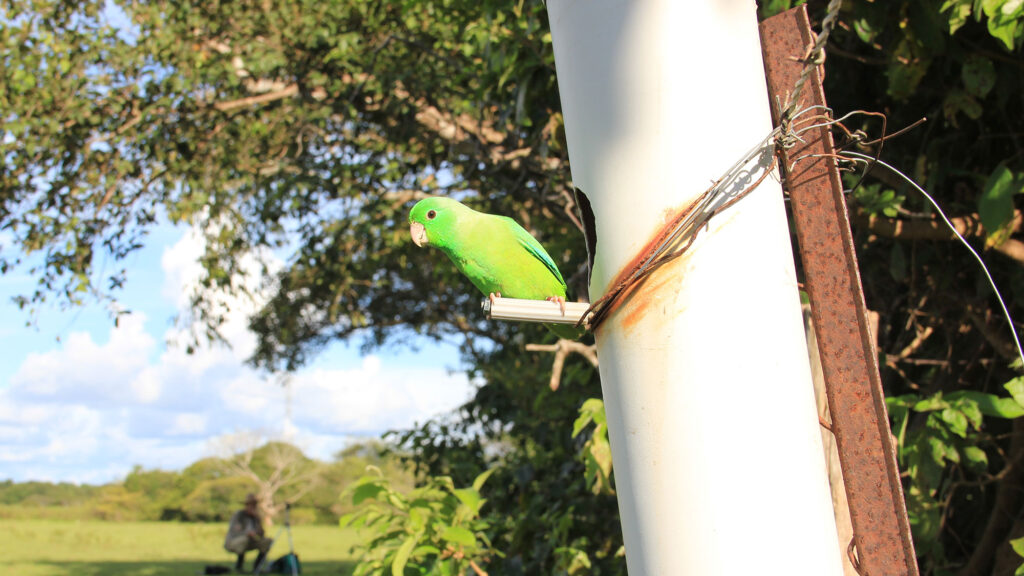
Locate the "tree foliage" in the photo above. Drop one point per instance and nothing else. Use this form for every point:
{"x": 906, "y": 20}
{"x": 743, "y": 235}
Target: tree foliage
{"x": 434, "y": 529}
{"x": 211, "y": 489}
{"x": 306, "y": 123}
{"x": 307, "y": 128}
{"x": 44, "y": 493}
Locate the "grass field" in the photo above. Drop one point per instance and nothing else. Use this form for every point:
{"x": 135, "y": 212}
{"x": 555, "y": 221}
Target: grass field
{"x": 93, "y": 548}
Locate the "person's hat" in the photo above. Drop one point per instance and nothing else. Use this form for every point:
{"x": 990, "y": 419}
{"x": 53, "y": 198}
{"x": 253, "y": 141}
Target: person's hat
{"x": 251, "y": 498}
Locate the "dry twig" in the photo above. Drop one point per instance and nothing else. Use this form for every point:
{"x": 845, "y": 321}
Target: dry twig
{"x": 562, "y": 349}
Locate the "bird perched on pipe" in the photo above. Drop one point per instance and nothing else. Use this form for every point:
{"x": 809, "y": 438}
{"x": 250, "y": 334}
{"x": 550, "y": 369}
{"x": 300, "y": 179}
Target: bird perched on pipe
{"x": 498, "y": 255}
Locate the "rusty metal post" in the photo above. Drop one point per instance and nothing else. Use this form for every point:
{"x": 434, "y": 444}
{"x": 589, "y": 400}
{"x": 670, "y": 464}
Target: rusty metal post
{"x": 854, "y": 387}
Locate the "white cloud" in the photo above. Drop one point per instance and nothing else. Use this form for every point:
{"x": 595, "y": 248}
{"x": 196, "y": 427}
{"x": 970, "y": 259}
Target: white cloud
{"x": 89, "y": 410}
{"x": 146, "y": 386}
{"x": 85, "y": 372}
{"x": 188, "y": 424}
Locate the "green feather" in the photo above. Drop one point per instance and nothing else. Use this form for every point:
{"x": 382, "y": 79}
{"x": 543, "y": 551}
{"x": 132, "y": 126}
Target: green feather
{"x": 527, "y": 241}
{"x": 494, "y": 252}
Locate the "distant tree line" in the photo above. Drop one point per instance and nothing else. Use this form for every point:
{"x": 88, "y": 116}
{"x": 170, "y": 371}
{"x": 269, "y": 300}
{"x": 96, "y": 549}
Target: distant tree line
{"x": 209, "y": 490}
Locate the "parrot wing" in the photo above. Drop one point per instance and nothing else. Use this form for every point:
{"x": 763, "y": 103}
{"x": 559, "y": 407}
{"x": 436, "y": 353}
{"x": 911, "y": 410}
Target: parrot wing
{"x": 531, "y": 245}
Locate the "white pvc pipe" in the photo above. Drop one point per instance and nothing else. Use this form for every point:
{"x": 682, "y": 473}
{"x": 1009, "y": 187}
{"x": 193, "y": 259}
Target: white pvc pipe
{"x": 718, "y": 460}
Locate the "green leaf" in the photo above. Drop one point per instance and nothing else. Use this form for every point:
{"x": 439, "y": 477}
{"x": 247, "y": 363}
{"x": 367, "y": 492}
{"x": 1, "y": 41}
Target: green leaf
{"x": 931, "y": 404}
{"x": 598, "y": 464}
{"x": 573, "y": 561}
{"x": 402, "y": 555}
{"x": 904, "y": 401}
{"x": 366, "y": 491}
{"x": 995, "y": 206}
{"x": 979, "y": 75}
{"x": 592, "y": 410}
{"x": 938, "y": 450}
{"x": 907, "y": 67}
{"x": 956, "y": 421}
{"x": 1018, "y": 546}
{"x": 957, "y": 101}
{"x": 971, "y": 411}
{"x": 1016, "y": 389}
{"x": 458, "y": 535}
{"x": 770, "y": 8}
{"x": 581, "y": 422}
{"x": 479, "y": 481}
{"x": 425, "y": 550}
{"x": 447, "y": 568}
{"x": 868, "y": 20}
{"x": 470, "y": 498}
{"x": 1004, "y": 22}
{"x": 396, "y": 500}
{"x": 959, "y": 11}
{"x": 418, "y": 518}
{"x": 445, "y": 482}
{"x": 992, "y": 405}
{"x": 976, "y": 458}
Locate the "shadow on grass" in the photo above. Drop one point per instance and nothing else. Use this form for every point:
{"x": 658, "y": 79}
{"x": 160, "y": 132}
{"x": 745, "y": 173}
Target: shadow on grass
{"x": 170, "y": 568}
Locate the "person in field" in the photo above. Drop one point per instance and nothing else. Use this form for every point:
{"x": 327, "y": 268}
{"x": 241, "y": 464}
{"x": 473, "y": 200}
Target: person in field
{"x": 245, "y": 532}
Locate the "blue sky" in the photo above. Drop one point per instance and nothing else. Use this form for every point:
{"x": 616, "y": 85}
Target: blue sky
{"x": 84, "y": 401}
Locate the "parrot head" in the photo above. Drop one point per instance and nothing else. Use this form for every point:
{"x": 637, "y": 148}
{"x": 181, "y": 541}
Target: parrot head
{"x": 433, "y": 220}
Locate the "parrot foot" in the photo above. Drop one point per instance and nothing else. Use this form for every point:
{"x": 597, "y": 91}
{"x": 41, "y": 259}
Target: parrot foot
{"x": 558, "y": 300}
{"x": 493, "y": 296}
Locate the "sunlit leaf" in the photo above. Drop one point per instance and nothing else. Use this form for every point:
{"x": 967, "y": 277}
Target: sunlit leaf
{"x": 478, "y": 482}
{"x": 470, "y": 498}
{"x": 995, "y": 205}
{"x": 975, "y": 457}
{"x": 459, "y": 535}
{"x": 402, "y": 555}
{"x": 1016, "y": 389}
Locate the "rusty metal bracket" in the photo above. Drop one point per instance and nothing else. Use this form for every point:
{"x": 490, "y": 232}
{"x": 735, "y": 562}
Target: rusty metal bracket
{"x": 849, "y": 362}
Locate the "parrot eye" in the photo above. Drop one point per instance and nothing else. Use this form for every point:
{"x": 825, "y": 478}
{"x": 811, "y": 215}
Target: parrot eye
{"x": 431, "y": 214}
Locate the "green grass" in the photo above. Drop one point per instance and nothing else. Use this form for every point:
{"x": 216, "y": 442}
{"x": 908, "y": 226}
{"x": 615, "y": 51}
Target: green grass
{"x": 94, "y": 548}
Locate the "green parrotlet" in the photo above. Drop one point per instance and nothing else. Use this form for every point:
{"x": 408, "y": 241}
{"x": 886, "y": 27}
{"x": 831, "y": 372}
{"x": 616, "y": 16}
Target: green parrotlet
{"x": 498, "y": 256}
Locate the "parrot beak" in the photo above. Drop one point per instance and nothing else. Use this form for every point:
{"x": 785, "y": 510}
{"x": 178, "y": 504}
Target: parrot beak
{"x": 419, "y": 234}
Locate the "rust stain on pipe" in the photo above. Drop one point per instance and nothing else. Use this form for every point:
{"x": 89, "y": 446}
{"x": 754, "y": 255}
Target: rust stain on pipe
{"x": 849, "y": 362}
{"x": 656, "y": 289}
{"x": 639, "y": 300}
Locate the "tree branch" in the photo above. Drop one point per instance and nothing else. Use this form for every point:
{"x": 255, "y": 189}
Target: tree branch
{"x": 969, "y": 226}
{"x": 562, "y": 349}
{"x": 286, "y": 92}
{"x": 999, "y": 343}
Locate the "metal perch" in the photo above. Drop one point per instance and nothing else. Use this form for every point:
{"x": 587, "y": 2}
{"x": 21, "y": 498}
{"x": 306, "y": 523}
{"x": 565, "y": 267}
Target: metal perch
{"x": 533, "y": 310}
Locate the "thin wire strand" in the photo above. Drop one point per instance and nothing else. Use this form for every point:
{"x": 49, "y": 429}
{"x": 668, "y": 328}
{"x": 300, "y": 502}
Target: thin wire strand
{"x": 815, "y": 56}
{"x": 830, "y": 120}
{"x": 731, "y": 175}
{"x": 992, "y": 283}
{"x": 689, "y": 222}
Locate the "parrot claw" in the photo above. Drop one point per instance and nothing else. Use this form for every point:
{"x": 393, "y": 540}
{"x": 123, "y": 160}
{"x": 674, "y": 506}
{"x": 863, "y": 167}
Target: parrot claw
{"x": 558, "y": 300}
{"x": 493, "y": 296}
